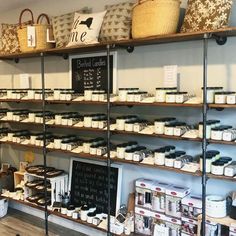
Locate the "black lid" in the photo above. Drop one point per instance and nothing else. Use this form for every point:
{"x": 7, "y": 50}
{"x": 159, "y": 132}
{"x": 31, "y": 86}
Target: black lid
{"x": 91, "y": 214}
{"x": 171, "y": 156}
{"x": 213, "y": 88}
{"x": 170, "y": 147}
{"x": 84, "y": 208}
{"x": 228, "y": 159}
{"x": 218, "y": 163}
{"x": 180, "y": 153}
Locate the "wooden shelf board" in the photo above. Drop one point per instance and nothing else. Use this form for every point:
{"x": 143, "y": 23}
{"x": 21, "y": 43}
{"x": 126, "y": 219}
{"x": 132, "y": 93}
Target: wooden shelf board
{"x": 156, "y": 104}
{"x": 227, "y": 221}
{"x": 169, "y": 38}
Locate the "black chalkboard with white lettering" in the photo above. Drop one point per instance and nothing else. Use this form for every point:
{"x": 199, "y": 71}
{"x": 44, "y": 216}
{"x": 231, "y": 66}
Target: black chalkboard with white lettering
{"x": 89, "y": 185}
{"x": 91, "y": 73}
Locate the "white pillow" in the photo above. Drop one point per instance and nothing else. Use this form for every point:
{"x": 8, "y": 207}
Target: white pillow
{"x": 86, "y": 28}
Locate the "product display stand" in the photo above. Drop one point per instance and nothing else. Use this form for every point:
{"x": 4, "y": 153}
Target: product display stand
{"x": 44, "y": 139}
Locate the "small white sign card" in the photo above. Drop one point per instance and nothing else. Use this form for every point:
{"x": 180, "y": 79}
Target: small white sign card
{"x": 171, "y": 76}
{"x": 24, "y": 81}
{"x": 31, "y": 36}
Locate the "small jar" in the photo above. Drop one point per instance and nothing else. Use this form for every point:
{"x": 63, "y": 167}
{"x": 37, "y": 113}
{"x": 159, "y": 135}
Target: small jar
{"x": 169, "y": 149}
{"x": 95, "y": 96}
{"x": 70, "y": 210}
{"x": 159, "y": 124}
{"x": 140, "y": 125}
{"x": 159, "y": 156}
{"x": 93, "y": 149}
{"x": 88, "y": 94}
{"x": 231, "y": 99}
{"x": 129, "y": 154}
{"x": 102, "y": 124}
{"x": 88, "y": 121}
{"x": 211, "y": 93}
{"x": 102, "y": 96}
{"x": 83, "y": 212}
{"x": 140, "y": 153}
{"x": 139, "y": 96}
{"x": 181, "y": 161}
{"x": 120, "y": 149}
{"x": 96, "y": 221}
{"x": 209, "y": 160}
{"x": 130, "y": 96}
{"x": 169, "y": 129}
{"x": 57, "y": 93}
{"x": 171, "y": 97}
{"x": 86, "y": 146}
{"x": 123, "y": 94}
{"x": 229, "y": 135}
{"x": 217, "y": 133}
{"x": 215, "y": 154}
{"x": 90, "y": 217}
{"x": 75, "y": 215}
{"x": 57, "y": 143}
{"x": 129, "y": 126}
{"x": 208, "y": 129}
{"x": 170, "y": 160}
{"x": 221, "y": 97}
{"x": 180, "y": 129}
{"x": 95, "y": 123}
{"x": 217, "y": 168}
{"x": 181, "y": 97}
{"x": 120, "y": 123}
{"x": 230, "y": 170}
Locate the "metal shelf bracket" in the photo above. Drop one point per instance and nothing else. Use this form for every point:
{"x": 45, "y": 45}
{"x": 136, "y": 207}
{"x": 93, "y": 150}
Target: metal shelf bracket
{"x": 220, "y": 40}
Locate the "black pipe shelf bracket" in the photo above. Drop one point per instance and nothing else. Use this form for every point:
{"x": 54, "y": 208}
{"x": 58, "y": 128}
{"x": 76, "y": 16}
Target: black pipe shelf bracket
{"x": 220, "y": 40}
{"x": 129, "y": 48}
{"x": 17, "y": 60}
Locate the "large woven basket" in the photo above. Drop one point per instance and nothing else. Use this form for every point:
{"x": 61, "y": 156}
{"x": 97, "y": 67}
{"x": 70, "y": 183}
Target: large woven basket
{"x": 155, "y": 17}
{"x": 40, "y": 31}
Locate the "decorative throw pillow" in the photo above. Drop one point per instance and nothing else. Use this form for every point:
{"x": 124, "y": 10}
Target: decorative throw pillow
{"x": 117, "y": 22}
{"x": 86, "y": 28}
{"x": 10, "y": 42}
{"x": 206, "y": 15}
{"x": 62, "y": 27}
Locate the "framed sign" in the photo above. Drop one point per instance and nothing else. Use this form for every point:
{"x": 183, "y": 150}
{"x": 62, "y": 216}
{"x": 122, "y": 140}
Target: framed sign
{"x": 89, "y": 71}
{"x": 89, "y": 184}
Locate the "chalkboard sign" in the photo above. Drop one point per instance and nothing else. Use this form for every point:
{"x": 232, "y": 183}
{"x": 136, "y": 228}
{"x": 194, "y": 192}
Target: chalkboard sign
{"x": 89, "y": 183}
{"x": 90, "y": 72}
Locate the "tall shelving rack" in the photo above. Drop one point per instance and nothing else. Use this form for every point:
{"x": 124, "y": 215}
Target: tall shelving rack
{"x": 219, "y": 35}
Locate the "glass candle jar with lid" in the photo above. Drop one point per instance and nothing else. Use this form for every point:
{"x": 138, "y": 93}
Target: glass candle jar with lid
{"x": 217, "y": 133}
{"x": 88, "y": 94}
{"x": 140, "y": 153}
{"x": 140, "y": 125}
{"x": 139, "y": 96}
{"x": 130, "y": 96}
{"x": 215, "y": 154}
{"x": 229, "y": 135}
{"x": 159, "y": 156}
{"x": 120, "y": 150}
{"x": 169, "y": 160}
{"x": 96, "y": 95}
{"x": 211, "y": 93}
{"x": 209, "y": 160}
{"x": 169, "y": 129}
{"x": 171, "y": 97}
{"x": 217, "y": 167}
{"x": 181, "y": 97}
{"x": 231, "y": 99}
{"x": 208, "y": 129}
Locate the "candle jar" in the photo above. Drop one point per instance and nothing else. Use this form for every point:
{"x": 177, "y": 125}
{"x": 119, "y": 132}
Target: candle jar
{"x": 57, "y": 93}
{"x": 140, "y": 153}
{"x": 88, "y": 94}
{"x": 102, "y": 96}
{"x": 230, "y": 170}
{"x": 181, "y": 161}
{"x": 169, "y": 160}
{"x": 95, "y": 96}
{"x": 180, "y": 129}
{"x": 120, "y": 123}
{"x": 83, "y": 212}
{"x": 229, "y": 135}
{"x": 88, "y": 121}
{"x": 86, "y": 146}
{"x": 169, "y": 149}
{"x": 217, "y": 168}
{"x": 215, "y": 154}
{"x": 120, "y": 149}
{"x": 129, "y": 126}
{"x": 139, "y": 96}
{"x": 129, "y": 154}
{"x": 171, "y": 97}
{"x": 217, "y": 133}
{"x": 208, "y": 130}
{"x": 169, "y": 129}
{"x": 130, "y": 96}
{"x": 209, "y": 160}
{"x": 181, "y": 97}
{"x": 140, "y": 125}
{"x": 159, "y": 156}
{"x": 159, "y": 124}
{"x": 95, "y": 123}
{"x": 231, "y": 99}
{"x": 123, "y": 94}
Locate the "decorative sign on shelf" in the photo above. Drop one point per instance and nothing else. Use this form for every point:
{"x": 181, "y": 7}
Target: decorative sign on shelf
{"x": 89, "y": 184}
{"x": 90, "y": 72}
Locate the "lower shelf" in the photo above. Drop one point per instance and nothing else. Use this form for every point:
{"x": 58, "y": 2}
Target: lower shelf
{"x": 58, "y": 214}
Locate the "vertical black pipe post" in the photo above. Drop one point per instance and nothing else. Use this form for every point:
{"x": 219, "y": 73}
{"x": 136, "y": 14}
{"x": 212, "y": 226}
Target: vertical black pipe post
{"x": 204, "y": 141}
{"x": 44, "y": 141}
{"x": 108, "y": 141}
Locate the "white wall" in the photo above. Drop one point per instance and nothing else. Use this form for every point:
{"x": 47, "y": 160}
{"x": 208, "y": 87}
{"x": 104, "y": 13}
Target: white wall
{"x": 143, "y": 69}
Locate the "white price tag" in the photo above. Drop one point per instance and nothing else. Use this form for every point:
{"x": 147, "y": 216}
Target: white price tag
{"x": 31, "y": 36}
{"x": 170, "y": 76}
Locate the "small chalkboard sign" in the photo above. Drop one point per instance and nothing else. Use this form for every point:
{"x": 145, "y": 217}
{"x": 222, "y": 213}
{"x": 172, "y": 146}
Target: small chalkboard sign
{"x": 90, "y": 72}
{"x": 89, "y": 184}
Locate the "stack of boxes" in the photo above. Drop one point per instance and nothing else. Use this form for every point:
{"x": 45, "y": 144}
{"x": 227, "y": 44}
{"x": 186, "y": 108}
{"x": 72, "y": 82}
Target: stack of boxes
{"x": 163, "y": 209}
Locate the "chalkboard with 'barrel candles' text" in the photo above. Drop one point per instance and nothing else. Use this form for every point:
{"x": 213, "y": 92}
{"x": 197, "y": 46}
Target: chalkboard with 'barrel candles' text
{"x": 89, "y": 185}
{"x": 89, "y": 72}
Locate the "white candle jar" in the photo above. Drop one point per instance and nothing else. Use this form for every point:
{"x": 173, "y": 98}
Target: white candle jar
{"x": 217, "y": 134}
{"x": 211, "y": 93}
{"x": 120, "y": 150}
{"x": 209, "y": 160}
{"x": 159, "y": 157}
{"x": 231, "y": 99}
{"x": 123, "y": 94}
{"x": 217, "y": 168}
{"x": 31, "y": 94}
{"x": 95, "y": 96}
{"x": 220, "y": 98}
{"x": 129, "y": 154}
{"x": 159, "y": 126}
{"x": 216, "y": 206}
{"x": 88, "y": 94}
{"x": 88, "y": 121}
{"x": 170, "y": 160}
{"x": 139, "y": 96}
{"x": 208, "y": 130}
{"x": 120, "y": 123}
{"x": 169, "y": 130}
{"x": 86, "y": 146}
{"x": 84, "y": 212}
{"x": 129, "y": 126}
{"x": 56, "y": 94}
{"x": 171, "y": 97}
{"x": 181, "y": 97}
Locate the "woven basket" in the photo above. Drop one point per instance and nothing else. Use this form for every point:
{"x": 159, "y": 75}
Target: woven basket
{"x": 40, "y": 31}
{"x": 155, "y": 17}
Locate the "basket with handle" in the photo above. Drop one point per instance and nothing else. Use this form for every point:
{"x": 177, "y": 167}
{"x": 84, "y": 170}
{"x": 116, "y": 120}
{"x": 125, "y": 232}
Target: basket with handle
{"x": 40, "y": 33}
{"x": 155, "y": 17}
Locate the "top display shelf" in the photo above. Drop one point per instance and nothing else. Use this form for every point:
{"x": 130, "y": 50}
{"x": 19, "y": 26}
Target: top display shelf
{"x": 170, "y": 38}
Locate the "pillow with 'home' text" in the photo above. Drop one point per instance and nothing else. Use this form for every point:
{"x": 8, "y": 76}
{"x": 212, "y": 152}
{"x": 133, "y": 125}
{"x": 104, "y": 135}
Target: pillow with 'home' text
{"x": 86, "y": 28}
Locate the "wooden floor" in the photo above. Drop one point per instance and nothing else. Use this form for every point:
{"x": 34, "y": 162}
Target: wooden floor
{"x": 16, "y": 223}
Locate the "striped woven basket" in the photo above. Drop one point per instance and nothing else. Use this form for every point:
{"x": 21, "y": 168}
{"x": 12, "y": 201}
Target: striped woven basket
{"x": 155, "y": 17}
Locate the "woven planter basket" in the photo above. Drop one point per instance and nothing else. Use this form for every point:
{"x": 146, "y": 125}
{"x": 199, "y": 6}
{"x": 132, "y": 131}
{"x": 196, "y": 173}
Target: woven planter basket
{"x": 155, "y": 17}
{"x": 40, "y": 31}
